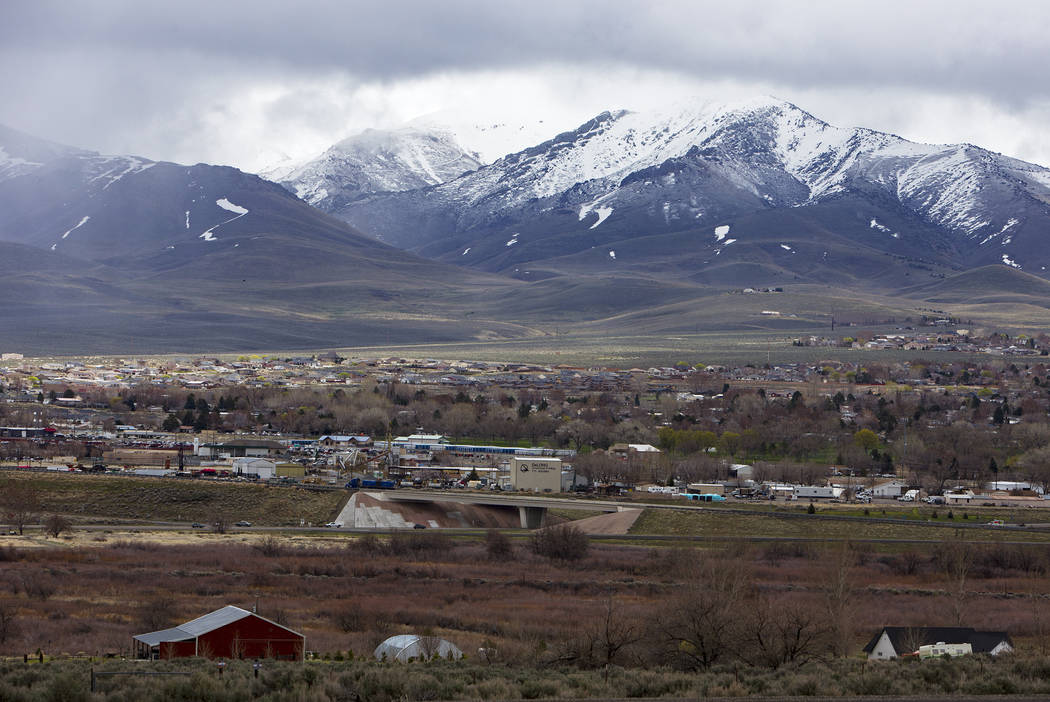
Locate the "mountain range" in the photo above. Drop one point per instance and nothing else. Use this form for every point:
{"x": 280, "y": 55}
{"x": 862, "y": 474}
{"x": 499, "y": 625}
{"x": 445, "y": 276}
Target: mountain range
{"x": 102, "y": 253}
{"x": 703, "y": 190}
{"x": 445, "y": 230}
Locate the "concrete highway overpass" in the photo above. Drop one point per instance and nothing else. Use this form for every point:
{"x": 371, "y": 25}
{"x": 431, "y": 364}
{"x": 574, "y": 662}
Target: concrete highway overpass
{"x": 531, "y": 508}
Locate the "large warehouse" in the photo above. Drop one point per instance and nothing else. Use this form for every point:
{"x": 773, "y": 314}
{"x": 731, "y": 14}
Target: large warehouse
{"x": 230, "y": 632}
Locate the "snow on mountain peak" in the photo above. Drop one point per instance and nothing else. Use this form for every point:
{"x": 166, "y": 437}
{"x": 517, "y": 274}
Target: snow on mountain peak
{"x": 377, "y": 161}
{"x": 486, "y": 138}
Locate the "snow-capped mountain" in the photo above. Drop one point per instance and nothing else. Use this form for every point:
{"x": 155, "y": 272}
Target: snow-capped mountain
{"x": 487, "y": 138}
{"x": 376, "y": 161}
{"x": 627, "y": 175}
{"x": 429, "y": 150}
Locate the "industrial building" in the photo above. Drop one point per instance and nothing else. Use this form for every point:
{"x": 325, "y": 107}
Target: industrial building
{"x": 536, "y": 474}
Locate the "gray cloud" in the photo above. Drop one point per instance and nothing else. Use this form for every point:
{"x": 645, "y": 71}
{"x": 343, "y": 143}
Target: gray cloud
{"x": 108, "y": 73}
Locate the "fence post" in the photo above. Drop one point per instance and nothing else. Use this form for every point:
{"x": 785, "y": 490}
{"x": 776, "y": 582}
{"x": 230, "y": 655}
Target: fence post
{"x": 92, "y": 679}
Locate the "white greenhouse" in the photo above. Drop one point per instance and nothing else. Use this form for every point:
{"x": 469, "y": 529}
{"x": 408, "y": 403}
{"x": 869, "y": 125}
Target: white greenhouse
{"x": 403, "y": 647}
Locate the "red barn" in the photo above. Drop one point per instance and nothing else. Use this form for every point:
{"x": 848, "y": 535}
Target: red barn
{"x": 230, "y": 632}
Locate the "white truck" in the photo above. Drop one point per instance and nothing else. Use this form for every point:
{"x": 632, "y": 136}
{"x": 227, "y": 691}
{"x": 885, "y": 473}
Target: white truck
{"x": 909, "y": 496}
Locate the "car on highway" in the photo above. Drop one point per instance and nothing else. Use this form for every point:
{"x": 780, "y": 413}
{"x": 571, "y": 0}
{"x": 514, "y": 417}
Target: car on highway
{"x": 334, "y": 525}
{"x": 197, "y": 525}
{"x": 243, "y": 523}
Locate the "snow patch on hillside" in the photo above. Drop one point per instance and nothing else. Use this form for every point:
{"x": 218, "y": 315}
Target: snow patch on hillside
{"x": 187, "y": 219}
{"x": 119, "y": 166}
{"x": 12, "y": 166}
{"x": 513, "y": 240}
{"x": 1010, "y": 224}
{"x": 721, "y": 231}
{"x": 1010, "y": 262}
{"x": 81, "y": 223}
{"x": 612, "y": 254}
{"x": 230, "y": 207}
{"x": 874, "y": 224}
{"x": 603, "y": 212}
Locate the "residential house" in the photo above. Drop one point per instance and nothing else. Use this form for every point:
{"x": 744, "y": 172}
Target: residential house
{"x": 894, "y": 641}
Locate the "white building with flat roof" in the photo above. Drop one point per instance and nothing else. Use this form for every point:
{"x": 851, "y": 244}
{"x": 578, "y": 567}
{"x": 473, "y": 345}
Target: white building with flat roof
{"x": 536, "y": 474}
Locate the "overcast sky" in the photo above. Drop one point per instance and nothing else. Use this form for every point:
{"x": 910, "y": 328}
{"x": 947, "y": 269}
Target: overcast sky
{"x": 245, "y": 82}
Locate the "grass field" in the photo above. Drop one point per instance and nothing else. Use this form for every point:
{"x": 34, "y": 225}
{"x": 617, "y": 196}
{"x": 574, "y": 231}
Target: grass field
{"x": 718, "y": 525}
{"x": 101, "y": 497}
{"x": 646, "y": 350}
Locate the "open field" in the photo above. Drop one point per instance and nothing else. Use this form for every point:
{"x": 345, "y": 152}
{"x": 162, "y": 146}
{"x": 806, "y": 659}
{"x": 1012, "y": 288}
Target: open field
{"x": 542, "y": 618}
{"x": 99, "y": 498}
{"x": 716, "y": 524}
{"x": 646, "y": 350}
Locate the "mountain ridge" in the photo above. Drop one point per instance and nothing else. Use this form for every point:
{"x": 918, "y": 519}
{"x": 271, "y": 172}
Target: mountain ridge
{"x": 697, "y": 167}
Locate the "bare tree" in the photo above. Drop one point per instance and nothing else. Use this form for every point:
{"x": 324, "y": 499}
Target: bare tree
{"x": 910, "y": 639}
{"x": 270, "y": 546}
{"x": 838, "y": 590}
{"x": 429, "y": 645}
{"x": 38, "y": 584}
{"x": 1040, "y": 626}
{"x": 158, "y": 612}
{"x": 563, "y": 542}
{"x": 55, "y": 524}
{"x": 955, "y": 560}
{"x": 780, "y": 633}
{"x": 702, "y": 626}
{"x": 8, "y": 621}
{"x": 20, "y": 502}
{"x": 498, "y": 546}
{"x": 349, "y": 618}
{"x": 613, "y": 632}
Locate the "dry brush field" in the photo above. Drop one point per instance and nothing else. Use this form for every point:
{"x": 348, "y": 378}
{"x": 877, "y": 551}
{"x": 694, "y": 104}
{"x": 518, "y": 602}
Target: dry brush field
{"x": 620, "y": 620}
